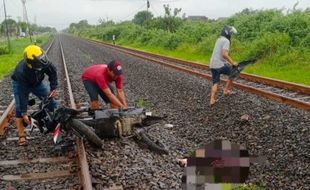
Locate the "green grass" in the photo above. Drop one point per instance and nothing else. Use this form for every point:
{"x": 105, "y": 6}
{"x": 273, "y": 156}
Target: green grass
{"x": 9, "y": 61}
{"x": 292, "y": 73}
{"x": 249, "y": 187}
{"x": 143, "y": 104}
{"x": 181, "y": 53}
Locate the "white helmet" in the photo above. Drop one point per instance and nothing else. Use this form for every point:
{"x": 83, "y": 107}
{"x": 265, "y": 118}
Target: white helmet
{"x": 227, "y": 31}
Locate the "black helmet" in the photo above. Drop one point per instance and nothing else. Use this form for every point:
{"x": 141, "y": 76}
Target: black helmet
{"x": 35, "y": 57}
{"x": 227, "y": 31}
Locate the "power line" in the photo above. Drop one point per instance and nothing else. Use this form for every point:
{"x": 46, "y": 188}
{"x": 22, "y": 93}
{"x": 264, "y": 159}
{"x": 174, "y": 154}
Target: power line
{"x": 152, "y": 7}
{"x": 142, "y": 7}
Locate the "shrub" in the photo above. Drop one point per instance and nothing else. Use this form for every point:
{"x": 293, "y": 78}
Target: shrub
{"x": 4, "y": 50}
{"x": 306, "y": 42}
{"x": 171, "y": 41}
{"x": 268, "y": 44}
{"x": 39, "y": 41}
{"x": 207, "y": 44}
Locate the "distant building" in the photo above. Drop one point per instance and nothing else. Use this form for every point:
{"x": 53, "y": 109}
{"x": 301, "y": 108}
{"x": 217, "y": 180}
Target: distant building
{"x": 221, "y": 18}
{"x": 198, "y": 18}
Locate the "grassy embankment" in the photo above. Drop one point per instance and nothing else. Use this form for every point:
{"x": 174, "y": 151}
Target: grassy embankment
{"x": 292, "y": 66}
{"x": 280, "y": 40}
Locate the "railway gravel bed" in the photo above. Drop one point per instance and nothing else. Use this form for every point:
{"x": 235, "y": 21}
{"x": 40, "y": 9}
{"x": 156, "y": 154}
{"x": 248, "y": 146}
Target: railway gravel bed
{"x": 279, "y": 132}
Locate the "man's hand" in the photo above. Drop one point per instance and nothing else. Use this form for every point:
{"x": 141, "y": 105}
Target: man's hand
{"x": 52, "y": 93}
{"x": 234, "y": 65}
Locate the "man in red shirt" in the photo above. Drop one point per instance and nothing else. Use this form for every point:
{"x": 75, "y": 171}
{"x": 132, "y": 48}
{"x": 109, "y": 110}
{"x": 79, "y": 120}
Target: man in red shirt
{"x": 97, "y": 80}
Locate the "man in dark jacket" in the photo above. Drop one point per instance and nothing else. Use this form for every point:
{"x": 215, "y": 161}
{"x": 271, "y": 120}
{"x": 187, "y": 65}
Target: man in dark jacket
{"x": 27, "y": 78}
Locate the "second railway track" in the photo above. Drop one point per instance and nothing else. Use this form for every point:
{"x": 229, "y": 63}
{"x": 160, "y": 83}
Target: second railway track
{"x": 285, "y": 92}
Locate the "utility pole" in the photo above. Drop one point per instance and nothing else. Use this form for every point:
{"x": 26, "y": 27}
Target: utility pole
{"x": 147, "y": 10}
{"x": 147, "y": 5}
{"x": 6, "y": 25}
{"x": 25, "y": 18}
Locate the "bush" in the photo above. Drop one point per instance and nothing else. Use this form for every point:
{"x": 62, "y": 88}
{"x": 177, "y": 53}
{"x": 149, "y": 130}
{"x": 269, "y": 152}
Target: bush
{"x": 4, "y": 50}
{"x": 207, "y": 44}
{"x": 306, "y": 42}
{"x": 171, "y": 41}
{"x": 268, "y": 44}
{"x": 39, "y": 41}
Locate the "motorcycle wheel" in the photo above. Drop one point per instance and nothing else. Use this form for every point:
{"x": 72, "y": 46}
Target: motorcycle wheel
{"x": 157, "y": 146}
{"x": 86, "y": 132}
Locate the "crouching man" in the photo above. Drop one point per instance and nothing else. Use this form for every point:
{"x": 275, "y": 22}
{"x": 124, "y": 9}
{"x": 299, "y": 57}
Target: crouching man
{"x": 28, "y": 78}
{"x": 98, "y": 79}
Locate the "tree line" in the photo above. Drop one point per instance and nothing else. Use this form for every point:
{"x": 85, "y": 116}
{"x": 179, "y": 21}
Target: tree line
{"x": 17, "y": 28}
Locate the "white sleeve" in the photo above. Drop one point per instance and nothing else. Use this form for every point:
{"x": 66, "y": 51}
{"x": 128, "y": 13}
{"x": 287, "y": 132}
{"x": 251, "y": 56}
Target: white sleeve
{"x": 226, "y": 45}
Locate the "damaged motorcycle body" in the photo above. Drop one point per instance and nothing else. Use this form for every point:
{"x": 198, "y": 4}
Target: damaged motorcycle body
{"x": 62, "y": 119}
{"x": 236, "y": 70}
{"x": 111, "y": 123}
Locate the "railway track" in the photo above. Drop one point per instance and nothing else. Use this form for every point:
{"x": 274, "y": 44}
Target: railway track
{"x": 285, "y": 92}
{"x": 133, "y": 168}
{"x": 39, "y": 165}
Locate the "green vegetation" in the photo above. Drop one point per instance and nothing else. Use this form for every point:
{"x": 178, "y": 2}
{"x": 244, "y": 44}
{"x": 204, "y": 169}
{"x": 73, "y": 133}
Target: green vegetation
{"x": 142, "y": 103}
{"x": 279, "y": 39}
{"x": 249, "y": 187}
{"x": 17, "y": 28}
{"x": 8, "y": 60}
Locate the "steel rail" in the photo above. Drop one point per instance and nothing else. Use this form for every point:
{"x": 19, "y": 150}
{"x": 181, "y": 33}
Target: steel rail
{"x": 84, "y": 173}
{"x": 5, "y": 118}
{"x": 271, "y": 82}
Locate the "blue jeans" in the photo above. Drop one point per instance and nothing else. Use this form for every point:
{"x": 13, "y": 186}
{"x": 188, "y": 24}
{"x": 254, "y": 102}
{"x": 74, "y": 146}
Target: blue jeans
{"x": 21, "y": 95}
{"x": 94, "y": 90}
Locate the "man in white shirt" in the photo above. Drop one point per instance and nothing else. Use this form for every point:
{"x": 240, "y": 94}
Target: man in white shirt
{"x": 221, "y": 62}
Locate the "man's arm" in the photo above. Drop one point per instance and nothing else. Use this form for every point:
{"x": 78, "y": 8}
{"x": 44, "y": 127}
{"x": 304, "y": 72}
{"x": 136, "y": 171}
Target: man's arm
{"x": 51, "y": 71}
{"x": 227, "y": 57}
{"x": 113, "y": 99}
{"x": 121, "y": 96}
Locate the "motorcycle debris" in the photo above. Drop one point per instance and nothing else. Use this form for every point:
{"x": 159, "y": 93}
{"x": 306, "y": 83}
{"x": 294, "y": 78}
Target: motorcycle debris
{"x": 168, "y": 125}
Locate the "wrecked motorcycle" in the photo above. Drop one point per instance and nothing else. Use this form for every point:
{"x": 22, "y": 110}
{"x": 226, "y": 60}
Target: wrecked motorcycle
{"x": 126, "y": 123}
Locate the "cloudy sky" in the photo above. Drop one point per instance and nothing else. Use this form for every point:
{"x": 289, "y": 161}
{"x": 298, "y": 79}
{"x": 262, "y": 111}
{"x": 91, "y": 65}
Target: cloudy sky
{"x": 60, "y": 13}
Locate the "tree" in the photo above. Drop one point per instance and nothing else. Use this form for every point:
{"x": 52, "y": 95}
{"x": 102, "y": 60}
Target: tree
{"x": 176, "y": 11}
{"x": 83, "y": 24}
{"x": 170, "y": 22}
{"x": 12, "y": 27}
{"x": 23, "y": 26}
{"x": 142, "y": 17}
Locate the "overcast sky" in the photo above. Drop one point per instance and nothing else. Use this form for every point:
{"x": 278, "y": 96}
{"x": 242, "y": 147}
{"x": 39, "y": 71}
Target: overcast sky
{"x": 60, "y": 13}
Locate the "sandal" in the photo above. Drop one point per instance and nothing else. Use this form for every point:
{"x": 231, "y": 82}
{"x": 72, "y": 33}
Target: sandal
{"x": 229, "y": 93}
{"x": 22, "y": 141}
